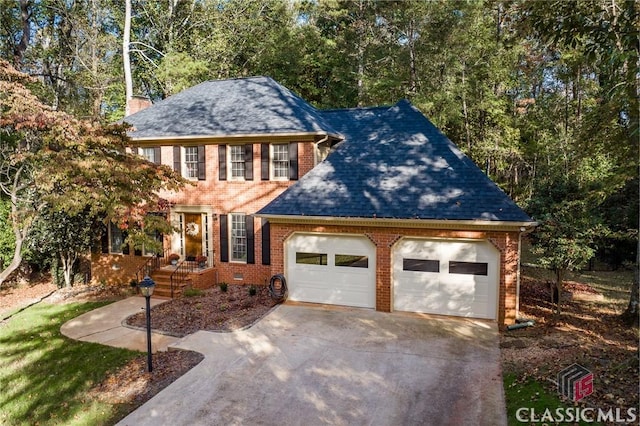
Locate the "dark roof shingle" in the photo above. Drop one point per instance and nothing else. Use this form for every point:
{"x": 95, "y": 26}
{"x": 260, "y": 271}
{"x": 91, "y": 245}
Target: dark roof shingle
{"x": 394, "y": 163}
{"x": 243, "y": 106}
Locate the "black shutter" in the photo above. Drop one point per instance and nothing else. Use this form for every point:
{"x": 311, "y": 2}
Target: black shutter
{"x": 104, "y": 239}
{"x": 224, "y": 239}
{"x": 156, "y": 155}
{"x": 125, "y": 247}
{"x": 251, "y": 251}
{"x": 202, "y": 174}
{"x": 264, "y": 161}
{"x": 248, "y": 162}
{"x": 266, "y": 242}
{"x": 222, "y": 162}
{"x": 177, "y": 161}
{"x": 293, "y": 161}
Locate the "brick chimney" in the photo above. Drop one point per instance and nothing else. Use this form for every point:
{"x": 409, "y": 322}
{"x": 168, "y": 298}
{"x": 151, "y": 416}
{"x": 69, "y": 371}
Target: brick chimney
{"x": 137, "y": 103}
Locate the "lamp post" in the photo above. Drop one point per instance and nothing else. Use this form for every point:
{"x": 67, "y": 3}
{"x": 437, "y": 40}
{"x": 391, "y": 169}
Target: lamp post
{"x": 146, "y": 288}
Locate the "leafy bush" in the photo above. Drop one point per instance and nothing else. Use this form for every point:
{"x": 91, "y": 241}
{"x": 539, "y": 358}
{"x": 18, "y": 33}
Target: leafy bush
{"x": 192, "y": 292}
{"x": 253, "y": 290}
{"x": 223, "y": 287}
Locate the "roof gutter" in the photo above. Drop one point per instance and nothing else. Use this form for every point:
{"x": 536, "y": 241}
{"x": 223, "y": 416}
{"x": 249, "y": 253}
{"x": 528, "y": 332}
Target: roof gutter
{"x": 521, "y": 227}
{"x": 239, "y": 137}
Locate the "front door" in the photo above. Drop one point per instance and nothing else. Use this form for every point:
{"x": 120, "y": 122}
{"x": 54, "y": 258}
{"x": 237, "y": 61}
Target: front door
{"x": 192, "y": 235}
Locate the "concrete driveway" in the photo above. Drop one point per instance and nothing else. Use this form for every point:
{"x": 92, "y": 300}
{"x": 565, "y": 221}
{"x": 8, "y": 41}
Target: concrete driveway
{"x": 309, "y": 365}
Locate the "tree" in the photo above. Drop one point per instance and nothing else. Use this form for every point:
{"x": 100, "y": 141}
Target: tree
{"x": 606, "y": 32}
{"x": 62, "y": 237}
{"x": 567, "y": 210}
{"x": 50, "y": 159}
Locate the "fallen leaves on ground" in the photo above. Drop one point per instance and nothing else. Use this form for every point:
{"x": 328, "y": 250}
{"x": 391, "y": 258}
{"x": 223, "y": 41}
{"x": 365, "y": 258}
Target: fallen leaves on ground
{"x": 213, "y": 310}
{"x": 588, "y": 333}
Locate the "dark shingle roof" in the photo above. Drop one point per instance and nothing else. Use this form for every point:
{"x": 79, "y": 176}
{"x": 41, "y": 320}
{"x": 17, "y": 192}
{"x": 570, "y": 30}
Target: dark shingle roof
{"x": 394, "y": 163}
{"x": 229, "y": 107}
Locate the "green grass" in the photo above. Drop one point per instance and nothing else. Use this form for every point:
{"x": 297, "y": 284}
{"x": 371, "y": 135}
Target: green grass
{"x": 532, "y": 395}
{"x": 45, "y": 377}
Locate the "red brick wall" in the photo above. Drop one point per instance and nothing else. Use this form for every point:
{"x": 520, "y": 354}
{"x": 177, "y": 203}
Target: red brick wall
{"x": 220, "y": 197}
{"x": 114, "y": 269}
{"x": 385, "y": 238}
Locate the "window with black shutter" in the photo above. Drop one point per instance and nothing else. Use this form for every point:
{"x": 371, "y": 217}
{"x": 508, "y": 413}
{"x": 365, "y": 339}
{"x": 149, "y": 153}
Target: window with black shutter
{"x": 293, "y": 161}
{"x": 251, "y": 256}
{"x": 248, "y": 162}
{"x": 222, "y": 162}
{"x": 266, "y": 242}
{"x": 224, "y": 238}
{"x": 202, "y": 174}
{"x": 177, "y": 159}
{"x": 264, "y": 161}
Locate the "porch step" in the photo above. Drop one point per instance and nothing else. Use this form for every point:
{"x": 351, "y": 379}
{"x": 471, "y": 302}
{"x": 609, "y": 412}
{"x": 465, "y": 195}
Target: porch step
{"x": 162, "y": 278}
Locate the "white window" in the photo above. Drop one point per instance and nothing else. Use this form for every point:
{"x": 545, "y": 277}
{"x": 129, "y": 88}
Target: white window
{"x": 149, "y": 154}
{"x": 238, "y": 238}
{"x": 191, "y": 162}
{"x": 236, "y": 160}
{"x": 280, "y": 161}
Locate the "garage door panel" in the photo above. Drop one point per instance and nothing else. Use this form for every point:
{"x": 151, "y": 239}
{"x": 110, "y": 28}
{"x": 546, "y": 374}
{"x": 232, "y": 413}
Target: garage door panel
{"x": 456, "y": 277}
{"x": 331, "y": 269}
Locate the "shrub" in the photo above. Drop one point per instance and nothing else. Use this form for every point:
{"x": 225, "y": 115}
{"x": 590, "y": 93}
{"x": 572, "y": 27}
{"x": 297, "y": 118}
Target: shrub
{"x": 253, "y": 290}
{"x": 192, "y": 292}
{"x": 223, "y": 287}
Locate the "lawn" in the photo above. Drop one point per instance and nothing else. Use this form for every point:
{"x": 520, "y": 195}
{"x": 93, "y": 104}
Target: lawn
{"x": 46, "y": 378}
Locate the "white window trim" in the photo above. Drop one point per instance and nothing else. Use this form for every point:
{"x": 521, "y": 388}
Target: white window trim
{"x": 185, "y": 169}
{"x": 144, "y": 155}
{"x": 230, "y": 164}
{"x": 231, "y": 238}
{"x": 272, "y": 168}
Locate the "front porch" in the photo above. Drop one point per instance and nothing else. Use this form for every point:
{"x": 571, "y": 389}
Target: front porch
{"x": 172, "y": 279}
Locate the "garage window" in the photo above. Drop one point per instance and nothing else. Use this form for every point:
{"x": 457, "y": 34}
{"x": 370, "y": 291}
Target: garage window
{"x": 311, "y": 258}
{"x": 421, "y": 265}
{"x": 353, "y": 261}
{"x": 468, "y": 268}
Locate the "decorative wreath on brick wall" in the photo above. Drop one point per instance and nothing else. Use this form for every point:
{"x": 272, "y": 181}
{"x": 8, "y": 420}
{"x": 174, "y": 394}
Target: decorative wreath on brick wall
{"x": 192, "y": 229}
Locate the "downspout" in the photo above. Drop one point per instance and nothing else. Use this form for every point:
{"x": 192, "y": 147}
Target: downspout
{"x": 523, "y": 231}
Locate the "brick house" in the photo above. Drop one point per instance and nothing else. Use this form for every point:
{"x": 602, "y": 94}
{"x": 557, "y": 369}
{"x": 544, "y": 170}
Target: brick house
{"x": 366, "y": 207}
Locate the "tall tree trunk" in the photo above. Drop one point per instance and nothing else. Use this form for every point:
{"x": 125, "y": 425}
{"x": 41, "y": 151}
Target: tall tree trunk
{"x": 465, "y": 110}
{"x": 559, "y": 280}
{"x": 68, "y": 260}
{"x": 20, "y": 231}
{"x": 126, "y": 39}
{"x": 20, "y": 48}
{"x": 631, "y": 316}
{"x": 413, "y": 72}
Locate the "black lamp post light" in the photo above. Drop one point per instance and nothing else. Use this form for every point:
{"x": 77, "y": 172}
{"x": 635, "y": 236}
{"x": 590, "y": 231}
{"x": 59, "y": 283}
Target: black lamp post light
{"x": 146, "y": 288}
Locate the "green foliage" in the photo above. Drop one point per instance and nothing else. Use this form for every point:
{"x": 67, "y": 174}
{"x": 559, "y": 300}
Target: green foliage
{"x": 7, "y": 238}
{"x": 253, "y": 290}
{"x": 223, "y": 287}
{"x": 192, "y": 292}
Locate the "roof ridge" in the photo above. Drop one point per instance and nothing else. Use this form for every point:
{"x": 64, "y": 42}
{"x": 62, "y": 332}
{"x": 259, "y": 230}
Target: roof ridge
{"x": 370, "y": 108}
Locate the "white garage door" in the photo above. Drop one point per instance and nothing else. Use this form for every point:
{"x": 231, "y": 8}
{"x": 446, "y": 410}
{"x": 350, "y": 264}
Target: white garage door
{"x": 332, "y": 269}
{"x": 446, "y": 277}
